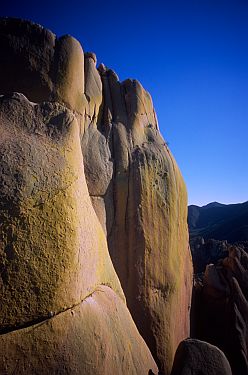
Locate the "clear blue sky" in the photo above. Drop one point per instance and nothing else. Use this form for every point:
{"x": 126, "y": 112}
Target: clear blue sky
{"x": 192, "y": 56}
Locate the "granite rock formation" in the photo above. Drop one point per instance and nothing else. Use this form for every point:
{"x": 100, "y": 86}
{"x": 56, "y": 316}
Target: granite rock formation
{"x": 51, "y": 256}
{"x": 141, "y": 201}
{"x": 195, "y": 357}
{"x": 56, "y": 273}
{"x": 206, "y": 252}
{"x": 221, "y": 308}
{"x": 60, "y": 296}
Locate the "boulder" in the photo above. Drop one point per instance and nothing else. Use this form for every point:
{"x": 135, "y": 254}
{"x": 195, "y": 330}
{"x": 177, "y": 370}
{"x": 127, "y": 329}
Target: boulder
{"x": 195, "y": 357}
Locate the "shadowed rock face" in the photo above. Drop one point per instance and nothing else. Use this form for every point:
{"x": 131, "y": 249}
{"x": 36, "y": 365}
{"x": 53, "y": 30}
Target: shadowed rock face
{"x": 41, "y": 66}
{"x": 53, "y": 249}
{"x": 207, "y": 252}
{"x": 221, "y": 308}
{"x": 195, "y": 357}
{"x": 219, "y": 221}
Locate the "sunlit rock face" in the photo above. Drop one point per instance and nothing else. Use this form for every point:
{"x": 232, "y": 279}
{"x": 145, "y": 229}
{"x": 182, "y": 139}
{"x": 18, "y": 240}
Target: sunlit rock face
{"x": 62, "y": 306}
{"x": 52, "y": 254}
{"x": 140, "y": 198}
{"x": 80, "y": 121}
{"x": 54, "y": 257}
{"x": 97, "y": 336}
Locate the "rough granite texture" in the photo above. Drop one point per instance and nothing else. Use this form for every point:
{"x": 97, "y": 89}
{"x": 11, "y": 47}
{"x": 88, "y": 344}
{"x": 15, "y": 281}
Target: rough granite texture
{"x": 141, "y": 201}
{"x": 97, "y": 336}
{"x": 54, "y": 251}
{"x": 54, "y": 255}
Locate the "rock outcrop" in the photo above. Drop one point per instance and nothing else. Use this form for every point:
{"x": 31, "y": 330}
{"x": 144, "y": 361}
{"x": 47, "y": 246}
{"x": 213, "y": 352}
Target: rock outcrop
{"x": 40, "y": 66}
{"x": 221, "y": 308}
{"x": 97, "y": 336}
{"x": 54, "y": 256}
{"x": 206, "y": 252}
{"x": 141, "y": 202}
{"x": 195, "y": 357}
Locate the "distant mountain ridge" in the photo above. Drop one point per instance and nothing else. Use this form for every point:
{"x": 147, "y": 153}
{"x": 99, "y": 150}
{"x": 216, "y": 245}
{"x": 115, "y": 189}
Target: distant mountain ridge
{"x": 219, "y": 221}
{"x": 213, "y": 204}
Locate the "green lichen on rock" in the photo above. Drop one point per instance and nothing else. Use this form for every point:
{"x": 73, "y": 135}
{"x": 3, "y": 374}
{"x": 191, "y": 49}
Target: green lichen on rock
{"x": 148, "y": 235}
{"x": 81, "y": 165}
{"x": 53, "y": 254}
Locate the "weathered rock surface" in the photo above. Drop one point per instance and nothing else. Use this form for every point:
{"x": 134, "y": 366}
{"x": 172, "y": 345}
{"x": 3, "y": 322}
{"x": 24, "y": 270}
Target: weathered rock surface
{"x": 195, "y": 357}
{"x": 147, "y": 232}
{"x": 53, "y": 255}
{"x": 27, "y": 59}
{"x": 41, "y": 66}
{"x": 134, "y": 183}
{"x": 93, "y": 88}
{"x": 97, "y": 336}
{"x": 221, "y": 308}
